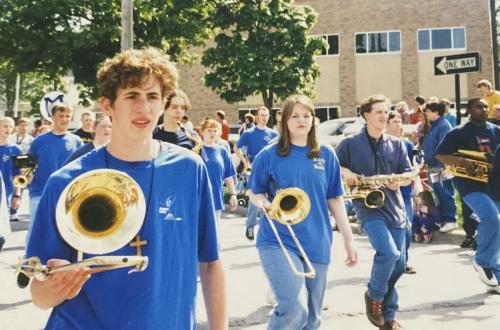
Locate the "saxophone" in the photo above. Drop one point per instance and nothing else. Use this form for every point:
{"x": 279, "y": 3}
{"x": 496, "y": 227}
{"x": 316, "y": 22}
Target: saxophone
{"x": 198, "y": 143}
{"x": 370, "y": 188}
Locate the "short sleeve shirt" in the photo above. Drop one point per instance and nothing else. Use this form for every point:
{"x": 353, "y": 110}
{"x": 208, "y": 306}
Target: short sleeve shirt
{"x": 253, "y": 140}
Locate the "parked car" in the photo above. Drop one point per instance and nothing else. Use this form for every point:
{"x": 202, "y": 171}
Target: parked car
{"x": 334, "y": 130}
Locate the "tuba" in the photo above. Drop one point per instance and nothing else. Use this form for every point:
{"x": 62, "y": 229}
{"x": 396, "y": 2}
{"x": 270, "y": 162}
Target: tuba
{"x": 481, "y": 166}
{"x": 369, "y": 188}
{"x": 97, "y": 213}
{"x": 289, "y": 207}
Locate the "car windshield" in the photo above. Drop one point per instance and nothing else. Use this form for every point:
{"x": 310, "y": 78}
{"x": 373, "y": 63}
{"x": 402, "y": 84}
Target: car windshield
{"x": 329, "y": 127}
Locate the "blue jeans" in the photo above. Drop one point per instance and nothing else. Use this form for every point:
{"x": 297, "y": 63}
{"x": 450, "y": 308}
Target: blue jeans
{"x": 388, "y": 263}
{"x": 445, "y": 194}
{"x": 34, "y": 201}
{"x": 408, "y": 199}
{"x": 299, "y": 299}
{"x": 253, "y": 213}
{"x": 488, "y": 230}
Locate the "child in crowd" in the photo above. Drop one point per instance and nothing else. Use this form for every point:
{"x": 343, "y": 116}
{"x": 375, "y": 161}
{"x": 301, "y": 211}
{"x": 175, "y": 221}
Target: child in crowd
{"x": 426, "y": 217}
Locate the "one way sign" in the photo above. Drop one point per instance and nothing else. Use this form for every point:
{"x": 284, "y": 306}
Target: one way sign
{"x": 459, "y": 63}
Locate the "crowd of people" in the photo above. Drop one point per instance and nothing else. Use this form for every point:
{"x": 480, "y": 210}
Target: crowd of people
{"x": 188, "y": 174}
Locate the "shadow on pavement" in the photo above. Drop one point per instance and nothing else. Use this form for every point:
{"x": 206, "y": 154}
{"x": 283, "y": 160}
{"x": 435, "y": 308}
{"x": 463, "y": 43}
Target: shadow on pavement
{"x": 260, "y": 316}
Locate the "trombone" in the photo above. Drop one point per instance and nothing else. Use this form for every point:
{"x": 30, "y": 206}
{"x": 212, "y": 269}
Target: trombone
{"x": 97, "y": 213}
{"x": 289, "y": 207}
{"x": 481, "y": 165}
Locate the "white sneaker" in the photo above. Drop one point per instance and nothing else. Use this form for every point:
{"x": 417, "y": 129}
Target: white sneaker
{"x": 493, "y": 289}
{"x": 485, "y": 275}
{"x": 449, "y": 226}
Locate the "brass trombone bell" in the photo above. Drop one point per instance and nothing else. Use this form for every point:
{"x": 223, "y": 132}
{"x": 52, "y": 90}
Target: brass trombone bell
{"x": 20, "y": 181}
{"x": 100, "y": 211}
{"x": 291, "y": 206}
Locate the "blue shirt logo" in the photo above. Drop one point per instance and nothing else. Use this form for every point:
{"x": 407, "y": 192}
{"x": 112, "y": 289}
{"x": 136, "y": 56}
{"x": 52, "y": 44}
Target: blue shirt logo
{"x": 166, "y": 210}
{"x": 319, "y": 164}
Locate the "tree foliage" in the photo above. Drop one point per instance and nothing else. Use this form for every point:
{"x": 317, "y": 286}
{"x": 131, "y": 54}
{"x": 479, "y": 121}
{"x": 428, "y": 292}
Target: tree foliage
{"x": 54, "y": 36}
{"x": 262, "y": 47}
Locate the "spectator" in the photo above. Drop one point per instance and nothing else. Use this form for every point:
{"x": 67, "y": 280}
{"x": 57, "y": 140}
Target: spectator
{"x": 426, "y": 218}
{"x": 491, "y": 96}
{"x": 221, "y": 118}
{"x": 85, "y": 132}
{"x": 21, "y": 137}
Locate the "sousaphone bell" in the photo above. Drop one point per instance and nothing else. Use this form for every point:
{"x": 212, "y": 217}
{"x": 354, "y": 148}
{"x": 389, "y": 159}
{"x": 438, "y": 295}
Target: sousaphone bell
{"x": 97, "y": 213}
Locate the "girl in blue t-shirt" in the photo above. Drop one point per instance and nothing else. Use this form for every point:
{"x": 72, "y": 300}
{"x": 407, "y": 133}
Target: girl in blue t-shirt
{"x": 219, "y": 165}
{"x": 297, "y": 160}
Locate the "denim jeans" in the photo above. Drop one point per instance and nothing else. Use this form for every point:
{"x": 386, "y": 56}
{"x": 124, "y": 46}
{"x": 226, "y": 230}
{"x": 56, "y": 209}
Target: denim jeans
{"x": 408, "y": 199}
{"x": 299, "y": 300}
{"x": 388, "y": 263}
{"x": 445, "y": 194}
{"x": 34, "y": 201}
{"x": 253, "y": 213}
{"x": 488, "y": 230}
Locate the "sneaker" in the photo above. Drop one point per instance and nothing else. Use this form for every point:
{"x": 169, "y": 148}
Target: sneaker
{"x": 449, "y": 226}
{"x": 469, "y": 242}
{"x": 410, "y": 270}
{"x": 374, "y": 311}
{"x": 391, "y": 325}
{"x": 427, "y": 237}
{"x": 249, "y": 233}
{"x": 2, "y": 242}
{"x": 418, "y": 238}
{"x": 485, "y": 275}
{"x": 493, "y": 289}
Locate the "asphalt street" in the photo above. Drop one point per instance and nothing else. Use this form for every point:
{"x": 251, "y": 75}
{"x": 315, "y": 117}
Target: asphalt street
{"x": 444, "y": 294}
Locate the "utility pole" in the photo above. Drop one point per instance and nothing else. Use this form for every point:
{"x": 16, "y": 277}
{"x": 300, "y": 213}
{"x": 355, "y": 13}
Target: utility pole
{"x": 127, "y": 41}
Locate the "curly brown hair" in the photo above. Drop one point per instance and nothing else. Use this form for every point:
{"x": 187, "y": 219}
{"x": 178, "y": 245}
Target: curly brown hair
{"x": 131, "y": 67}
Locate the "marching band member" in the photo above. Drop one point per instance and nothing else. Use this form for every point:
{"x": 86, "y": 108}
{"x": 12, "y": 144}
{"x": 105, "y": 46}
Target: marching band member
{"x": 51, "y": 151}
{"x": 368, "y": 153}
{"x": 102, "y": 130}
{"x": 179, "y": 227}
{"x": 477, "y": 135}
{"x": 170, "y": 130}
{"x": 297, "y": 160}
{"x": 251, "y": 142}
{"x": 219, "y": 165}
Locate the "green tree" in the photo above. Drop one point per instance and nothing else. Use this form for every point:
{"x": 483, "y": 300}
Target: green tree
{"x": 262, "y": 47}
{"x": 54, "y": 36}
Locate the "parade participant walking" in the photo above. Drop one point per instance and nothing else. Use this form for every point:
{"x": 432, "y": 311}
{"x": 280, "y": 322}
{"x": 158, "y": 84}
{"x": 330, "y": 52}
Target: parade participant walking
{"x": 477, "y": 135}
{"x": 7, "y": 151}
{"x": 219, "y": 165}
{"x": 21, "y": 137}
{"x": 298, "y": 160}
{"x": 51, "y": 151}
{"x": 171, "y": 130}
{"x": 251, "y": 143}
{"x": 369, "y": 153}
{"x": 440, "y": 181}
{"x": 102, "y": 128}
{"x": 86, "y": 132}
{"x": 179, "y": 226}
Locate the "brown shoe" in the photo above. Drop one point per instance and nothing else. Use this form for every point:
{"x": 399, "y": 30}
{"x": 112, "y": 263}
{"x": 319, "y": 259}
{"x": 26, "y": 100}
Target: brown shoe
{"x": 374, "y": 311}
{"x": 391, "y": 325}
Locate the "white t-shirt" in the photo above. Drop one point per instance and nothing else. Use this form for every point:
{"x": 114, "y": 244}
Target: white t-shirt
{"x": 24, "y": 142}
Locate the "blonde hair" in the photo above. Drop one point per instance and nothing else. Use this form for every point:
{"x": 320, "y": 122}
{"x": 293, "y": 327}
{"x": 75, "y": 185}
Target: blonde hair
{"x": 483, "y": 83}
{"x": 210, "y": 123}
{"x": 8, "y": 120}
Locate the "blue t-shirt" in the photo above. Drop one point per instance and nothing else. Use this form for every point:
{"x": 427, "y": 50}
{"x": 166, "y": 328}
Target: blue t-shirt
{"x": 470, "y": 137}
{"x": 220, "y": 167}
{"x": 319, "y": 178}
{"x": 253, "y": 140}
{"x": 87, "y": 147}
{"x": 436, "y": 134}
{"x": 50, "y": 151}
{"x": 7, "y": 151}
{"x": 356, "y": 154}
{"x": 179, "y": 229}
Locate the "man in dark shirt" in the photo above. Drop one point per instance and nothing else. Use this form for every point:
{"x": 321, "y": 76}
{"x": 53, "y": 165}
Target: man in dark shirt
{"x": 477, "y": 135}
{"x": 85, "y": 132}
{"x": 369, "y": 153}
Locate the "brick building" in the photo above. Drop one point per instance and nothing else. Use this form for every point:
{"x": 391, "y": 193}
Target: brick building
{"x": 383, "y": 46}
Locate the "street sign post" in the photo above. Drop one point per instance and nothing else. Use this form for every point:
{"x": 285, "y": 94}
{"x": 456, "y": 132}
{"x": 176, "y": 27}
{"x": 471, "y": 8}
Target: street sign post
{"x": 456, "y": 64}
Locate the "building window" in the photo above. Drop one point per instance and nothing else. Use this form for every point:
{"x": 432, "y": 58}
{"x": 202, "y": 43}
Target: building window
{"x": 378, "y": 42}
{"x": 442, "y": 38}
{"x": 333, "y": 44}
{"x": 325, "y": 113}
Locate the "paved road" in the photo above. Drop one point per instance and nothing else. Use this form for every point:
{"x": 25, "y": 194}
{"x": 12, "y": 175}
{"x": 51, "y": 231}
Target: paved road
{"x": 444, "y": 294}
